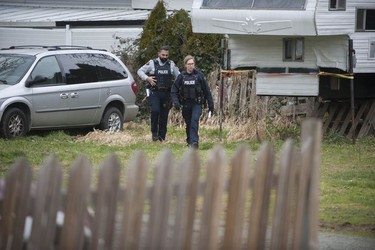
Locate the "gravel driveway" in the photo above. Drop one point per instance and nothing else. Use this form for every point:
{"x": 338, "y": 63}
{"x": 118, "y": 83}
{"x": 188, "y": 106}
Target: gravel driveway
{"x": 332, "y": 241}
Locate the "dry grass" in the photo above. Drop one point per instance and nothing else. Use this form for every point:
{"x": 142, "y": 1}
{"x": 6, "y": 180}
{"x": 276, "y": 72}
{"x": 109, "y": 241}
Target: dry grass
{"x": 232, "y": 130}
{"x": 131, "y": 134}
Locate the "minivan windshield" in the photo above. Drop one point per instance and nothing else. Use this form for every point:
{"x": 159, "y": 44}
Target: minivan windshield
{"x": 13, "y": 67}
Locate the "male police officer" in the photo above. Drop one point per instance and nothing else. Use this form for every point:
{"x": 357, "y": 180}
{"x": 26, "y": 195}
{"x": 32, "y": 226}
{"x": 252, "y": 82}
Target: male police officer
{"x": 190, "y": 91}
{"x": 159, "y": 74}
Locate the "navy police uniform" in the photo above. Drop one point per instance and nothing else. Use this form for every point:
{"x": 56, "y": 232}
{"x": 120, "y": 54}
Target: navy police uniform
{"x": 190, "y": 92}
{"x": 159, "y": 96}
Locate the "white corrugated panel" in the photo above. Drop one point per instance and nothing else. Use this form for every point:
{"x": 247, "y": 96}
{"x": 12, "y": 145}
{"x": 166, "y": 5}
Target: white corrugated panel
{"x": 35, "y": 16}
{"x": 97, "y": 38}
{"x": 169, "y": 4}
{"x": 87, "y": 3}
{"x": 25, "y": 36}
{"x": 287, "y": 84}
{"x": 103, "y": 38}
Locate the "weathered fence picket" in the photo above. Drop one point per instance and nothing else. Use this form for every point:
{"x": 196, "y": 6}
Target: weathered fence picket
{"x": 261, "y": 198}
{"x": 186, "y": 201}
{"x": 134, "y": 202}
{"x": 46, "y": 205}
{"x": 15, "y": 205}
{"x": 185, "y": 206}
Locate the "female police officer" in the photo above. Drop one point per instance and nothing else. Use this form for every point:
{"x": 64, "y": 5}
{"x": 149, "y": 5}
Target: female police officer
{"x": 159, "y": 73}
{"x": 190, "y": 92}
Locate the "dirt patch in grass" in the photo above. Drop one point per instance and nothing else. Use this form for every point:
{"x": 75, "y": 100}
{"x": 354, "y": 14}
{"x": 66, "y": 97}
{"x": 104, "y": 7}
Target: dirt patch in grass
{"x": 347, "y": 226}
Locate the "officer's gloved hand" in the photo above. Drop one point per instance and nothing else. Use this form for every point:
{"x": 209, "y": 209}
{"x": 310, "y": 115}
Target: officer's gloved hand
{"x": 177, "y": 106}
{"x": 210, "y": 111}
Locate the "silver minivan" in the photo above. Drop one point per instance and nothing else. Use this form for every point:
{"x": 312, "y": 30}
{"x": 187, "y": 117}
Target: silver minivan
{"x": 46, "y": 87}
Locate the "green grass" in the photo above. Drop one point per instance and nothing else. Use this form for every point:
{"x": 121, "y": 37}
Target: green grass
{"x": 347, "y": 187}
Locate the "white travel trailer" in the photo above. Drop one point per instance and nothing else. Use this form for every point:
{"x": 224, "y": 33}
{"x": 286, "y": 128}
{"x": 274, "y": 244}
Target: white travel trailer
{"x": 298, "y": 47}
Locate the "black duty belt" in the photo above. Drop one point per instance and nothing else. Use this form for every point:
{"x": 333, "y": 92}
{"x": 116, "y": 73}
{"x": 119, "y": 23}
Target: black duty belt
{"x": 163, "y": 90}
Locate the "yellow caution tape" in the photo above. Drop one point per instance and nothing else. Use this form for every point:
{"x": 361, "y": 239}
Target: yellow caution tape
{"x": 346, "y": 76}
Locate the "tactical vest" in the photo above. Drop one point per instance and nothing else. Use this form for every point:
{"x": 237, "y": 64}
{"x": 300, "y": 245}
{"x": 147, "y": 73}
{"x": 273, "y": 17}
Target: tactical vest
{"x": 191, "y": 88}
{"x": 163, "y": 75}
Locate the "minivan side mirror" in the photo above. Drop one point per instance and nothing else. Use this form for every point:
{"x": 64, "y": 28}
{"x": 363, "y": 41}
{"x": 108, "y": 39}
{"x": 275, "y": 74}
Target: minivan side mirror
{"x": 37, "y": 79}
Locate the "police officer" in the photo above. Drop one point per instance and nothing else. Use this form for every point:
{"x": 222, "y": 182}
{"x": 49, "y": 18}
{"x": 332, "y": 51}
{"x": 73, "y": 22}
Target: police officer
{"x": 190, "y": 92}
{"x": 159, "y": 74}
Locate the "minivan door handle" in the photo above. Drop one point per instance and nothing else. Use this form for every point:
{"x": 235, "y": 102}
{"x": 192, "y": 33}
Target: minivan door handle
{"x": 64, "y": 95}
{"x": 74, "y": 95}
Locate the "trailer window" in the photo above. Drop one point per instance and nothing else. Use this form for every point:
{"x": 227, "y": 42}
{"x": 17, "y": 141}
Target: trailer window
{"x": 365, "y": 20}
{"x": 293, "y": 49}
{"x": 337, "y": 4}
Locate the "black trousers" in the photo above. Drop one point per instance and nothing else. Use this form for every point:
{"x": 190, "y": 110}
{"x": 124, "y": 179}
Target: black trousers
{"x": 160, "y": 104}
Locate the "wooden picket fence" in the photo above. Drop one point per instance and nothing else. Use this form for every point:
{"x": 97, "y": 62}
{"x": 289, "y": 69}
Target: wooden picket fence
{"x": 268, "y": 202}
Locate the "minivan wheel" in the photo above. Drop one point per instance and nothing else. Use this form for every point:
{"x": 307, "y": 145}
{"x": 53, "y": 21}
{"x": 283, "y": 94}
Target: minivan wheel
{"x": 14, "y": 123}
{"x": 112, "y": 120}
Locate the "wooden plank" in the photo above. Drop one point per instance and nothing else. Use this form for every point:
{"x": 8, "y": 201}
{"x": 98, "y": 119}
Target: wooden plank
{"x": 346, "y": 122}
{"x": 312, "y": 128}
{"x": 15, "y": 205}
{"x": 301, "y": 227}
{"x": 243, "y": 96}
{"x": 331, "y": 113}
{"x": 281, "y": 224}
{"x": 134, "y": 199}
{"x": 212, "y": 205}
{"x": 357, "y": 117}
{"x": 72, "y": 233}
{"x": 322, "y": 109}
{"x": 261, "y": 197}
{"x": 46, "y": 204}
{"x": 186, "y": 200}
{"x": 161, "y": 198}
{"x": 106, "y": 202}
{"x": 338, "y": 120}
{"x": 237, "y": 193}
{"x": 369, "y": 121}
{"x": 253, "y": 97}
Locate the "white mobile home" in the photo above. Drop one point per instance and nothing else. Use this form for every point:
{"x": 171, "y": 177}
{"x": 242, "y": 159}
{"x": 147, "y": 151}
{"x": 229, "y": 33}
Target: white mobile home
{"x": 298, "y": 47}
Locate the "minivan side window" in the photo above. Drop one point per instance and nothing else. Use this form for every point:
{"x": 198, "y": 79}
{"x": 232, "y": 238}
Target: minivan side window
{"x": 85, "y": 68}
{"x": 109, "y": 69}
{"x": 46, "y": 72}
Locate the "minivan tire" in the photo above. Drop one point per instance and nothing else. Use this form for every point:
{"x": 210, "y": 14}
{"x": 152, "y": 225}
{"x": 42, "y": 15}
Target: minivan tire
{"x": 112, "y": 120}
{"x": 14, "y": 123}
